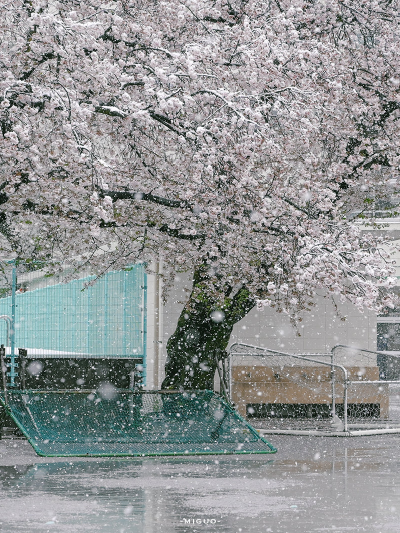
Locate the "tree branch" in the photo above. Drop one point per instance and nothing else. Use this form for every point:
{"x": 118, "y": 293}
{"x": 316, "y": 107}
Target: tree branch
{"x": 45, "y": 57}
{"x": 113, "y": 111}
{"x": 176, "y": 233}
{"x": 147, "y": 197}
{"x": 290, "y": 202}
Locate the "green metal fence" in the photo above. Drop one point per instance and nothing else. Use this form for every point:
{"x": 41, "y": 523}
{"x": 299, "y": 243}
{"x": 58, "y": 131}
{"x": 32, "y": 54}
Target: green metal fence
{"x": 127, "y": 423}
{"x": 107, "y": 318}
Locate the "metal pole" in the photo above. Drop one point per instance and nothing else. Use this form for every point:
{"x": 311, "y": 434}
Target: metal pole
{"x": 144, "y": 322}
{"x": 9, "y": 325}
{"x": 156, "y": 326}
{"x": 3, "y": 365}
{"x": 23, "y": 354}
{"x": 13, "y": 374}
{"x": 221, "y": 380}
{"x": 333, "y": 384}
{"x": 225, "y": 373}
{"x": 230, "y": 377}
{"x": 345, "y": 404}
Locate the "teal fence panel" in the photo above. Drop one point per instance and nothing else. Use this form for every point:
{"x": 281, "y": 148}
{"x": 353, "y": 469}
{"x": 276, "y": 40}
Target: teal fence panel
{"x": 106, "y": 318}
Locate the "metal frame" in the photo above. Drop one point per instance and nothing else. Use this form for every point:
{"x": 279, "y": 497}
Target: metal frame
{"x": 13, "y": 365}
{"x": 348, "y": 429}
{"x": 9, "y": 328}
{"x": 295, "y": 356}
{"x": 374, "y": 352}
{"x": 15, "y": 305}
{"x": 58, "y": 442}
{"x": 3, "y": 368}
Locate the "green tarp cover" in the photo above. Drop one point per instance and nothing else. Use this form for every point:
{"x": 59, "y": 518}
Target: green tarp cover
{"x": 127, "y": 423}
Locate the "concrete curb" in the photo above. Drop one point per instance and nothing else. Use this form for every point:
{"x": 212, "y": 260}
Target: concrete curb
{"x": 316, "y": 433}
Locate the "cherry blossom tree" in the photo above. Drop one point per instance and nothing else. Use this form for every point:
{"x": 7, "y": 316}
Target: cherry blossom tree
{"x": 240, "y": 140}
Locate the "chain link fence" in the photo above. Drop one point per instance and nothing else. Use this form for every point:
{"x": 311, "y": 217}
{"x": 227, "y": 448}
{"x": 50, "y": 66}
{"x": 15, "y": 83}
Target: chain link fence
{"x": 85, "y": 318}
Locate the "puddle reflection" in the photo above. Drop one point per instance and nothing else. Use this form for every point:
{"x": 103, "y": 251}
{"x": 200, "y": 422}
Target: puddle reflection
{"x": 341, "y": 489}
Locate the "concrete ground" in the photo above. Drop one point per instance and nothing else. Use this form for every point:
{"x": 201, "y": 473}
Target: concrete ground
{"x": 313, "y": 484}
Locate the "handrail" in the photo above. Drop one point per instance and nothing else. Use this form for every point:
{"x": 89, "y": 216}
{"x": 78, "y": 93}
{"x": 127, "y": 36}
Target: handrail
{"x": 274, "y": 352}
{"x": 3, "y": 362}
{"x": 3, "y": 369}
{"x": 327, "y": 354}
{"x": 9, "y": 324}
{"x": 358, "y": 349}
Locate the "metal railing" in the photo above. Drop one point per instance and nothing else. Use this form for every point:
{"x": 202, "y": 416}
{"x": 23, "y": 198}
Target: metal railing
{"x": 342, "y": 358}
{"x": 265, "y": 352}
{"x": 8, "y": 321}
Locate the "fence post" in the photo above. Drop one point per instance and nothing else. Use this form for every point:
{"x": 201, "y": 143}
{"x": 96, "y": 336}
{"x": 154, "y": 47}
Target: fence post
{"x": 333, "y": 384}
{"x": 23, "y": 354}
{"x": 230, "y": 377}
{"x": 345, "y": 428}
{"x": 3, "y": 365}
{"x": 13, "y": 374}
{"x": 8, "y": 326}
{"x": 225, "y": 393}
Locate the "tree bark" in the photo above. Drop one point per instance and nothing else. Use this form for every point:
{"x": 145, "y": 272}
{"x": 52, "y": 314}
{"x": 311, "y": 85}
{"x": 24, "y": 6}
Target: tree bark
{"x": 202, "y": 336}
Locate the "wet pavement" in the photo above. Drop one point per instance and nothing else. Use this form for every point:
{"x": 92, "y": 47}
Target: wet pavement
{"x": 313, "y": 484}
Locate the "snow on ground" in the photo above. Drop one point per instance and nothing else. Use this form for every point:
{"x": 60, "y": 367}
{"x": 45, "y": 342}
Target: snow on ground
{"x": 311, "y": 485}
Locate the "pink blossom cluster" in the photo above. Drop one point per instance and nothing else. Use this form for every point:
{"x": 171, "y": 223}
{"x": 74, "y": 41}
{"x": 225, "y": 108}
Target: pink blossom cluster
{"x": 245, "y": 137}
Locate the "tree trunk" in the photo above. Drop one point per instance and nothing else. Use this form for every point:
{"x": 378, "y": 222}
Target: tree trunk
{"x": 202, "y": 336}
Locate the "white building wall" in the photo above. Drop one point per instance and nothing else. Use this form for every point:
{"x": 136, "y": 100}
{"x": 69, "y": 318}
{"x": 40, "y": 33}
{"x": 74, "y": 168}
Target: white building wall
{"x": 320, "y": 330}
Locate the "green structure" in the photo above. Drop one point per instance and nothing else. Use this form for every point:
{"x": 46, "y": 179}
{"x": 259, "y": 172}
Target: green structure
{"x": 107, "y": 318}
{"x": 115, "y": 422}
{"x": 74, "y": 386}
